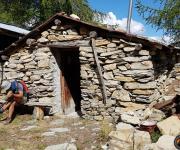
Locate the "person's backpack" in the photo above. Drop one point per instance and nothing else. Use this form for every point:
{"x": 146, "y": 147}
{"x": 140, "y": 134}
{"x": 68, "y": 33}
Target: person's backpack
{"x": 25, "y": 88}
{"x": 14, "y": 86}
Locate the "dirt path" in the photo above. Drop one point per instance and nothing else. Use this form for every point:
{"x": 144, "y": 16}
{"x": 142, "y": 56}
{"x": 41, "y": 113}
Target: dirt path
{"x": 27, "y": 134}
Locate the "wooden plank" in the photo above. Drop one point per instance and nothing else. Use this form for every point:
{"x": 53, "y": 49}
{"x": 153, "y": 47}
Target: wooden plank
{"x": 76, "y": 43}
{"x": 57, "y": 46}
{"x": 99, "y": 70}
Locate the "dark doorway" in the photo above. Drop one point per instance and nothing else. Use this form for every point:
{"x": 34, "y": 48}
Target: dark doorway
{"x": 69, "y": 64}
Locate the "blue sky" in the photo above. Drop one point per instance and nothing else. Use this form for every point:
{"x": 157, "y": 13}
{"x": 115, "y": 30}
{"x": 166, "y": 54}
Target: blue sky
{"x": 120, "y": 10}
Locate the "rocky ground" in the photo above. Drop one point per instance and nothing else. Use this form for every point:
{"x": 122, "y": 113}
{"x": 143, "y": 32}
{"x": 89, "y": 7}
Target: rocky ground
{"x": 52, "y": 132}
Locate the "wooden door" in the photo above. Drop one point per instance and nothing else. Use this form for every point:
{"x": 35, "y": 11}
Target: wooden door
{"x": 70, "y": 81}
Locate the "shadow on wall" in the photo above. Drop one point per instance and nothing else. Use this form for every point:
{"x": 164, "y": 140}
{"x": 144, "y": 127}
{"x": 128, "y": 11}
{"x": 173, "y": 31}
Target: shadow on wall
{"x": 163, "y": 62}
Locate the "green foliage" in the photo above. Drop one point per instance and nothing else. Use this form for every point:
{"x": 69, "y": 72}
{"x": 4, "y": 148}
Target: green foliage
{"x": 166, "y": 17}
{"x": 29, "y": 13}
{"x": 155, "y": 135}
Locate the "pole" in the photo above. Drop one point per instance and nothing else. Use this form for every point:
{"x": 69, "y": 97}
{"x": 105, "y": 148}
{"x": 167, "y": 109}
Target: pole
{"x": 129, "y": 16}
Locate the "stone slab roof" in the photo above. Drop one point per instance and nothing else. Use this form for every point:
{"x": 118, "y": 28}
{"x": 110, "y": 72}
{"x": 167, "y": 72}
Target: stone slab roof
{"x": 104, "y": 32}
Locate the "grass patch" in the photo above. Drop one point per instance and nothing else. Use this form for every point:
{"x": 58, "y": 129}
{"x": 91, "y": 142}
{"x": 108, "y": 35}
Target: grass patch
{"x": 155, "y": 135}
{"x": 104, "y": 131}
{"x": 41, "y": 146}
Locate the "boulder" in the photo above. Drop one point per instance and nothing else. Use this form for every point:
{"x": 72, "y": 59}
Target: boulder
{"x": 166, "y": 142}
{"x": 124, "y": 133}
{"x": 141, "y": 138}
{"x": 127, "y": 138}
{"x": 170, "y": 126}
{"x": 154, "y": 114}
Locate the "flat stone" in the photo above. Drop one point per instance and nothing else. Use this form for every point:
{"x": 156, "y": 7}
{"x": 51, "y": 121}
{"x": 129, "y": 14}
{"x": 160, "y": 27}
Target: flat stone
{"x": 119, "y": 145}
{"x": 170, "y": 126}
{"x": 45, "y": 34}
{"x": 166, "y": 142}
{"x": 143, "y": 92}
{"x": 154, "y": 114}
{"x": 59, "y": 130}
{"x": 130, "y": 106}
{"x": 85, "y": 54}
{"x": 57, "y": 122}
{"x": 138, "y": 73}
{"x": 142, "y": 65}
{"x": 144, "y": 52}
{"x": 136, "y": 85}
{"x": 28, "y": 128}
{"x": 42, "y": 40}
{"x": 64, "y": 146}
{"x": 141, "y": 138}
{"x": 124, "y": 127}
{"x": 43, "y": 63}
{"x": 122, "y": 68}
{"x": 64, "y": 37}
{"x": 110, "y": 67}
{"x": 48, "y": 134}
{"x": 132, "y": 119}
{"x": 124, "y": 78}
{"x": 152, "y": 146}
{"x": 124, "y": 132}
{"x": 102, "y": 42}
{"x": 111, "y": 45}
{"x": 121, "y": 95}
{"x": 14, "y": 75}
{"x": 85, "y": 49}
{"x": 35, "y": 77}
{"x": 108, "y": 75}
{"x": 110, "y": 53}
{"x": 136, "y": 59}
{"x": 128, "y": 49}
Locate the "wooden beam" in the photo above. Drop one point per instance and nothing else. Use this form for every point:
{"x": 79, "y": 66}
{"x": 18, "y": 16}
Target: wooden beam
{"x": 58, "y": 46}
{"x": 93, "y": 43}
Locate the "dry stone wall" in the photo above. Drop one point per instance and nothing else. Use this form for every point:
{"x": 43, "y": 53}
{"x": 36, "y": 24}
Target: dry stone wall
{"x": 131, "y": 72}
{"x": 36, "y": 68}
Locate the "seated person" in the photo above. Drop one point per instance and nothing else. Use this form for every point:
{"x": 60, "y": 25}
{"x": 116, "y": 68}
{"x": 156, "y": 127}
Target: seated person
{"x": 14, "y": 96}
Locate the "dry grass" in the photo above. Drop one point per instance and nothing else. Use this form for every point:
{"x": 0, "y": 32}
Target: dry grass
{"x": 106, "y": 128}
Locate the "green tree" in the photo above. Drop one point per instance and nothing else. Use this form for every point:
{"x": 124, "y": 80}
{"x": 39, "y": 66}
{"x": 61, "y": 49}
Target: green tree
{"x": 29, "y": 13}
{"x": 166, "y": 16}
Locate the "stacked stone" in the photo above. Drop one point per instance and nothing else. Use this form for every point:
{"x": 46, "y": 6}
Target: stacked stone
{"x": 127, "y": 68}
{"x": 128, "y": 75}
{"x": 177, "y": 71}
{"x": 35, "y": 69}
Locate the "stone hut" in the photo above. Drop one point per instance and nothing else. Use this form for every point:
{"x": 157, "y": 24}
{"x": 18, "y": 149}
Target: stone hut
{"x": 74, "y": 66}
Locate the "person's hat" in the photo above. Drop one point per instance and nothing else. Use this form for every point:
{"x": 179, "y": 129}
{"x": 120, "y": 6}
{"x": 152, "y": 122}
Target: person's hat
{"x": 5, "y": 86}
